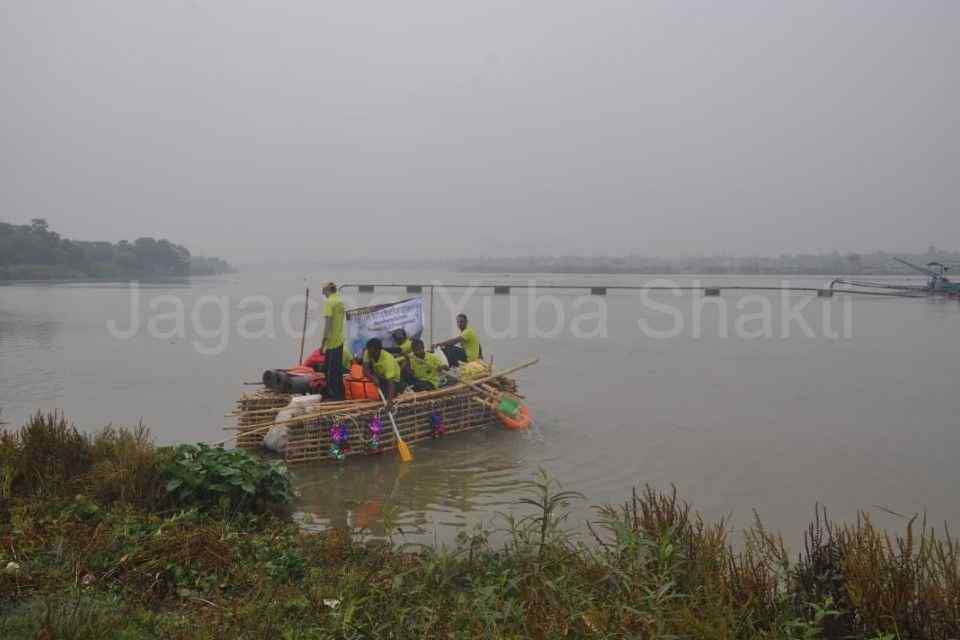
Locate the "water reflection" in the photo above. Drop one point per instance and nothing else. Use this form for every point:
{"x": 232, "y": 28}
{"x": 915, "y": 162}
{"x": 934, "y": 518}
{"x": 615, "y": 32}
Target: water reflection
{"x": 34, "y": 336}
{"x": 22, "y": 333}
{"x": 451, "y": 483}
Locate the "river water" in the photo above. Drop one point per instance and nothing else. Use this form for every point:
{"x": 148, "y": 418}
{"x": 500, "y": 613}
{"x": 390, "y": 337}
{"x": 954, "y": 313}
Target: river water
{"x": 753, "y": 400}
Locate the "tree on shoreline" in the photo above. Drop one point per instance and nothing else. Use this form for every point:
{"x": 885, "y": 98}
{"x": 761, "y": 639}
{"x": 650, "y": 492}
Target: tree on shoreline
{"x": 35, "y": 250}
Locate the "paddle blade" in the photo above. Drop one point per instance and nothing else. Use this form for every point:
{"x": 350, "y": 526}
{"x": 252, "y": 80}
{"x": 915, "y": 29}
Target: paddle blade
{"x": 404, "y": 450}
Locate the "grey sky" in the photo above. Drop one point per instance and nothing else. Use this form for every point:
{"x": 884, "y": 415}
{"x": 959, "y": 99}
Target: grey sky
{"x": 289, "y": 127}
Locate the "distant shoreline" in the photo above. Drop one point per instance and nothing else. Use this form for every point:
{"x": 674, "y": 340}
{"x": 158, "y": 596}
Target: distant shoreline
{"x": 35, "y": 252}
{"x": 149, "y": 278}
{"x": 677, "y": 272}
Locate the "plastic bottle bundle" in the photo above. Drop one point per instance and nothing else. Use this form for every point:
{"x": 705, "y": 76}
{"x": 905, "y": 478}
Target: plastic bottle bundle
{"x": 474, "y": 370}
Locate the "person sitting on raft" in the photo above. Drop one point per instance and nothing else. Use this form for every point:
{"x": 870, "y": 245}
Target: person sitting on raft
{"x": 402, "y": 342}
{"x": 382, "y": 368}
{"x": 421, "y": 370}
{"x": 462, "y": 348}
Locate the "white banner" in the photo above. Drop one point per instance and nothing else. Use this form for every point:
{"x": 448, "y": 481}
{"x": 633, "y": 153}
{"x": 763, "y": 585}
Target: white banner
{"x": 381, "y": 320}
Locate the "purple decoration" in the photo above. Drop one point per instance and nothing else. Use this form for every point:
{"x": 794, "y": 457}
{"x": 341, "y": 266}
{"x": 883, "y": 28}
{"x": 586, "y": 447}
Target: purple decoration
{"x": 436, "y": 421}
{"x": 338, "y": 440}
{"x": 376, "y": 428}
{"x": 339, "y": 435}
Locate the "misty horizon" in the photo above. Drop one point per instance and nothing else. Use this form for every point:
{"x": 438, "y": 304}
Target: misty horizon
{"x": 431, "y": 130}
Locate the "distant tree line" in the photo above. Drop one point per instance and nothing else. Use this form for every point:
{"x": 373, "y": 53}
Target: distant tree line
{"x": 834, "y": 264}
{"x": 34, "y": 251}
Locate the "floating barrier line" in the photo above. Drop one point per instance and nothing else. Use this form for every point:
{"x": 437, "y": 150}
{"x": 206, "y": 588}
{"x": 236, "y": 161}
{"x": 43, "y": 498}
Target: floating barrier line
{"x": 882, "y": 293}
{"x": 393, "y": 285}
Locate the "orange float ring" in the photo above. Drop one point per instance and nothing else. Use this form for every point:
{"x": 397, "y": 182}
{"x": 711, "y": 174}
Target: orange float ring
{"x": 522, "y": 421}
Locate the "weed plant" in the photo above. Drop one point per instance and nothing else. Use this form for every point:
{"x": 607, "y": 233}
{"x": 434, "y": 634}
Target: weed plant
{"x": 100, "y": 561}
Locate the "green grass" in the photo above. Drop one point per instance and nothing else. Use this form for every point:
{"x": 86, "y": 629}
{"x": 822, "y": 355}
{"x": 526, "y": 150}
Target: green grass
{"x": 95, "y": 560}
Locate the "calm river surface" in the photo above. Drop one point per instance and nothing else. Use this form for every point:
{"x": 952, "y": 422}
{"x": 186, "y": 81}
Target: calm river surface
{"x": 851, "y": 401}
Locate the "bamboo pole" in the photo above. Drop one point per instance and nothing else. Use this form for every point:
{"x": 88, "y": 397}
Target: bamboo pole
{"x": 357, "y": 408}
{"x": 266, "y": 426}
{"x": 303, "y": 333}
{"x": 506, "y": 372}
{"x": 324, "y": 405}
{"x": 430, "y": 326}
{"x": 474, "y": 385}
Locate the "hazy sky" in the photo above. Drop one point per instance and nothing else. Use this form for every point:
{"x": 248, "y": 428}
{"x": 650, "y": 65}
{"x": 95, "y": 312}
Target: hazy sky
{"x": 258, "y": 130}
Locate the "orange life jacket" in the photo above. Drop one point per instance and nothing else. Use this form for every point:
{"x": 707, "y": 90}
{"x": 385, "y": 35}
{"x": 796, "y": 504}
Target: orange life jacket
{"x": 358, "y": 386}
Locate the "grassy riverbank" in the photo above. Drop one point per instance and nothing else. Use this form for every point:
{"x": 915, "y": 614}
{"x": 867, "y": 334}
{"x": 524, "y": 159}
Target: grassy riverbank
{"x": 108, "y": 536}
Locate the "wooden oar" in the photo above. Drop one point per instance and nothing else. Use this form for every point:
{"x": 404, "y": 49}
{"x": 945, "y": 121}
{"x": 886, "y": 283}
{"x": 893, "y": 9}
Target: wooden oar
{"x": 402, "y": 447}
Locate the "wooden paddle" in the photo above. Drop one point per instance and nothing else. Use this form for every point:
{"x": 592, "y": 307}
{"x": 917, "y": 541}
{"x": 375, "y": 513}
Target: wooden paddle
{"x": 402, "y": 447}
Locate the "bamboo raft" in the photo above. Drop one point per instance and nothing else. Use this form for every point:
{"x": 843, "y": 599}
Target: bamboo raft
{"x": 460, "y": 408}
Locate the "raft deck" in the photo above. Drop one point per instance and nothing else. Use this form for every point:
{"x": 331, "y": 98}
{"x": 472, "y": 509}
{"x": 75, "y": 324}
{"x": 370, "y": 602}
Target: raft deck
{"x": 458, "y": 408}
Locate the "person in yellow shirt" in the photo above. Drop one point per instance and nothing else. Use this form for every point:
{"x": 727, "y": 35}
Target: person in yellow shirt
{"x": 463, "y": 348}
{"x": 421, "y": 369}
{"x": 402, "y": 342}
{"x": 334, "y": 323}
{"x": 382, "y": 368}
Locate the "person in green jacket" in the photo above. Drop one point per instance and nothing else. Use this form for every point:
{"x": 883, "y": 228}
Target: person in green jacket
{"x": 402, "y": 342}
{"x": 334, "y": 324}
{"x": 422, "y": 369}
{"x": 383, "y": 369}
{"x": 462, "y": 348}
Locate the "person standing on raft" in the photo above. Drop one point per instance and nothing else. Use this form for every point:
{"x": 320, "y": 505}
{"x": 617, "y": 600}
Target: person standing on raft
{"x": 462, "y": 348}
{"x": 382, "y": 368}
{"x": 334, "y": 322}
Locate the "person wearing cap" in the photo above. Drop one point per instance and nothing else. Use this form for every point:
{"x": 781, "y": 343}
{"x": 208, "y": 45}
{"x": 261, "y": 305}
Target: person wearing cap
{"x": 334, "y": 325}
